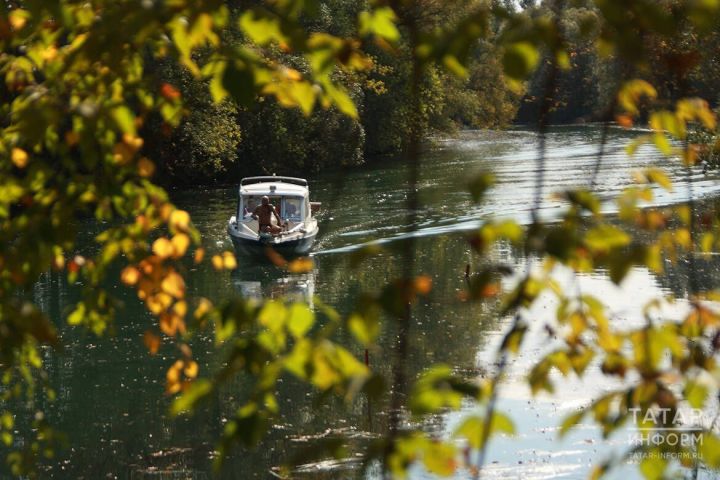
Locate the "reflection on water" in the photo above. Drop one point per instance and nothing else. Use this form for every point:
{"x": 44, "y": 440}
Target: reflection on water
{"x": 276, "y": 284}
{"x": 110, "y": 391}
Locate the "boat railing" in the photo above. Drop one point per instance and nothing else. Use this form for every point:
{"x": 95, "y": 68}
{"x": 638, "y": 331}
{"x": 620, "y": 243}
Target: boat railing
{"x": 265, "y": 179}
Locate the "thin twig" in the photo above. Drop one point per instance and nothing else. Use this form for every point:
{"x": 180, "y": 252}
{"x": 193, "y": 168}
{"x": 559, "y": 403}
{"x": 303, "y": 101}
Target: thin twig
{"x": 412, "y": 155}
{"x": 550, "y": 85}
{"x": 601, "y": 151}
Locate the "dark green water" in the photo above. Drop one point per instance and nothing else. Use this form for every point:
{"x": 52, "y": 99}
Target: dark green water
{"x": 110, "y": 391}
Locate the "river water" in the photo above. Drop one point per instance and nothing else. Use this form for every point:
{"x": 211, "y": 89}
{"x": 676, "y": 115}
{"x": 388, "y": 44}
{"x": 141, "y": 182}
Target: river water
{"x": 110, "y": 391}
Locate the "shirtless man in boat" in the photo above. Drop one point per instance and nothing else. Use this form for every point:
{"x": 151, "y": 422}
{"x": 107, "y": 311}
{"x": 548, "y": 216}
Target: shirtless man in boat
{"x": 263, "y": 214}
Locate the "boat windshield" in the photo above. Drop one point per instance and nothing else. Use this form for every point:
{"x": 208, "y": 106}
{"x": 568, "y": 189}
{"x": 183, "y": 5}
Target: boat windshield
{"x": 289, "y": 208}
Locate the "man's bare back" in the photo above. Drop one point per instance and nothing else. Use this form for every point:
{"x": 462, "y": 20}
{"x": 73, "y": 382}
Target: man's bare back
{"x": 264, "y": 213}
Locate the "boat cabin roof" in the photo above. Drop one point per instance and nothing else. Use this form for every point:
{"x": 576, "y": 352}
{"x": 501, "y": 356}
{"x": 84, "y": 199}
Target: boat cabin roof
{"x": 274, "y": 186}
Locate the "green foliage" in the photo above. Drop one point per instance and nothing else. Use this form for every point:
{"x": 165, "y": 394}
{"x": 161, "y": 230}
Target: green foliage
{"x": 205, "y": 143}
{"x": 97, "y": 95}
{"x": 472, "y": 428}
{"x": 285, "y": 141}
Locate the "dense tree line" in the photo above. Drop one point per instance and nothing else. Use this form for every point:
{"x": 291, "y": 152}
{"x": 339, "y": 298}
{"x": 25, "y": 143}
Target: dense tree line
{"x": 223, "y": 143}
{"x": 587, "y": 82}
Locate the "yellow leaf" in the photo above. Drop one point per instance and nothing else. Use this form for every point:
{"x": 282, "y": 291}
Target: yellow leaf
{"x": 262, "y": 29}
{"x": 169, "y": 324}
{"x": 300, "y": 320}
{"x": 159, "y": 303}
{"x": 663, "y": 121}
{"x": 191, "y": 369}
{"x": 19, "y": 157}
{"x": 203, "y": 307}
{"x": 50, "y": 53}
{"x": 58, "y": 262}
{"x": 163, "y": 248}
{"x": 18, "y": 19}
{"x": 380, "y": 22}
{"x": 180, "y": 243}
{"x": 631, "y": 93}
{"x": 180, "y": 220}
{"x": 520, "y": 59}
{"x": 173, "y": 373}
{"x": 165, "y": 210}
{"x": 656, "y": 175}
{"x": 173, "y": 388}
{"x": 683, "y": 238}
{"x": 301, "y": 265}
{"x": 291, "y": 74}
{"x": 173, "y": 377}
{"x": 217, "y": 262}
{"x": 229, "y": 261}
{"x": 180, "y": 308}
{"x": 130, "y": 275}
{"x": 134, "y": 142}
{"x": 174, "y": 285}
{"x": 439, "y": 458}
{"x": 662, "y": 143}
{"x": 706, "y": 242}
{"x": 199, "y": 255}
{"x": 273, "y": 316}
{"x": 689, "y": 109}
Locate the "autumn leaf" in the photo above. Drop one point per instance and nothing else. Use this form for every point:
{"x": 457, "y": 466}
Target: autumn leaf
{"x": 19, "y": 157}
{"x": 180, "y": 243}
{"x": 18, "y": 19}
{"x": 173, "y": 377}
{"x": 169, "y": 324}
{"x": 224, "y": 261}
{"x": 180, "y": 220}
{"x": 229, "y": 262}
{"x": 158, "y": 303}
{"x": 180, "y": 308}
{"x": 174, "y": 285}
{"x": 169, "y": 92}
{"x": 423, "y": 284}
{"x": 204, "y": 306}
{"x": 301, "y": 265}
{"x": 191, "y": 369}
{"x": 624, "y": 121}
{"x": 163, "y": 248}
{"x": 122, "y": 153}
{"x": 130, "y": 276}
{"x": 152, "y": 342}
{"x": 217, "y": 262}
{"x": 146, "y": 168}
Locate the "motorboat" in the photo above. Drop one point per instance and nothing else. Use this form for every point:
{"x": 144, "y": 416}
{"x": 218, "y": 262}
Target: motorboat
{"x": 293, "y": 235}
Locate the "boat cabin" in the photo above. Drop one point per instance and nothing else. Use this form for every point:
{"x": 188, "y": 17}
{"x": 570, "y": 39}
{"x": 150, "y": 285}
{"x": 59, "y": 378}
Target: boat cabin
{"x": 288, "y": 195}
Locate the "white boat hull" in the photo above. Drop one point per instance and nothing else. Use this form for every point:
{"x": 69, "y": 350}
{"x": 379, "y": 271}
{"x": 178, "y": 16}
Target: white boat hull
{"x": 286, "y": 245}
